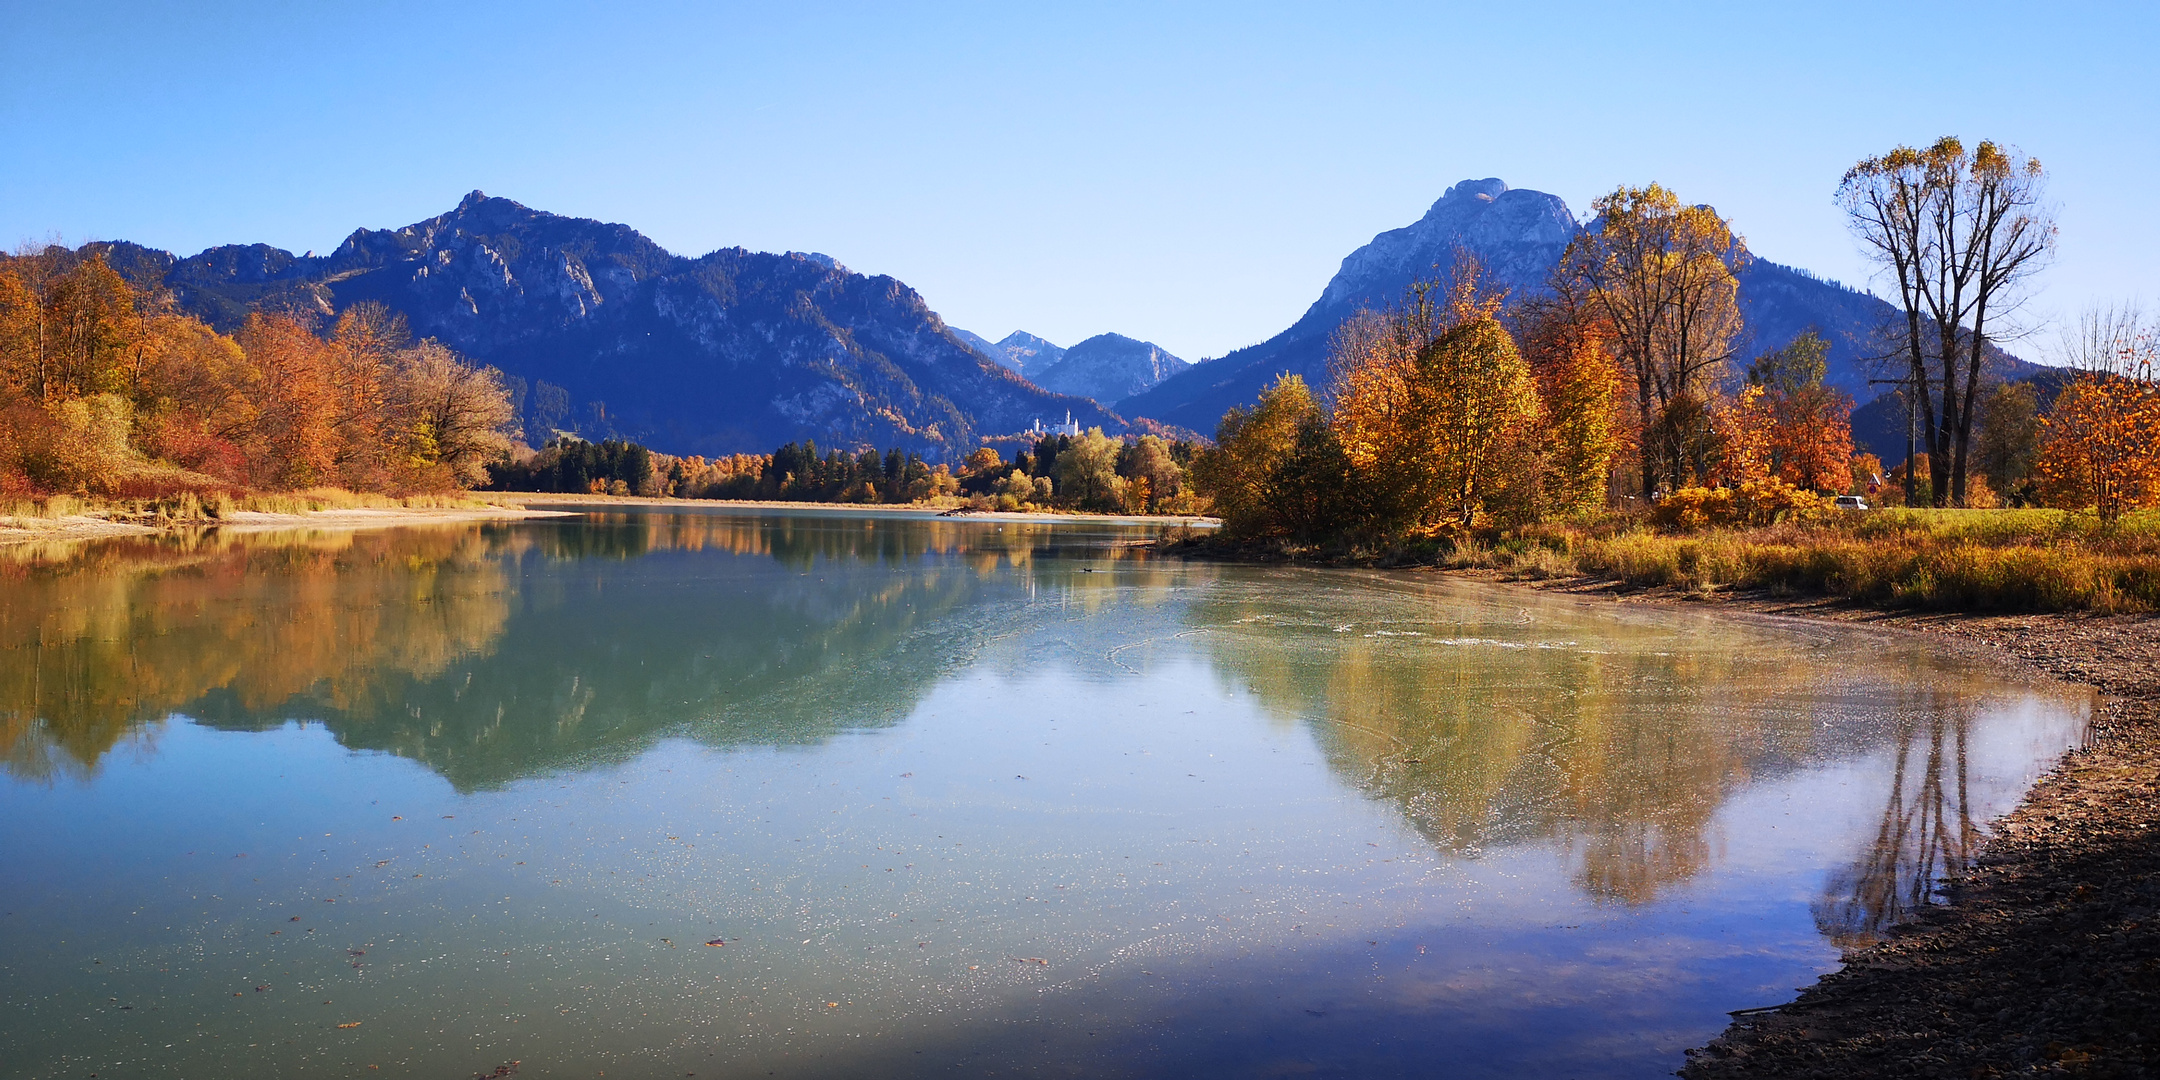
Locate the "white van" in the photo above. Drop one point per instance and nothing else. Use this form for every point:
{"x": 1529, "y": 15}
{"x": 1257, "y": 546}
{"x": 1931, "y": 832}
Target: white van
{"x": 1851, "y": 502}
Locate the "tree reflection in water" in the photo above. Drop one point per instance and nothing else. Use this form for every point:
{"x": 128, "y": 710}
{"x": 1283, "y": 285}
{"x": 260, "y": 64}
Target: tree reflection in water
{"x": 98, "y": 639}
{"x": 496, "y": 652}
{"x": 1926, "y": 830}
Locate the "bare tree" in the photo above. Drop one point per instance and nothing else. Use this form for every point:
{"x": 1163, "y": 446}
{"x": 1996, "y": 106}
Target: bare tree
{"x": 1959, "y": 232}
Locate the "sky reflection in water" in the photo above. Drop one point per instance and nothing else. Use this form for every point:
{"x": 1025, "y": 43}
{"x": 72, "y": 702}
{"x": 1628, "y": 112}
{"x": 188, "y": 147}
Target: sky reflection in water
{"x": 959, "y": 797}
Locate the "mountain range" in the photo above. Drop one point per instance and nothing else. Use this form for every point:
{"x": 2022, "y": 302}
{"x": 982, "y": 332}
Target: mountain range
{"x": 731, "y": 351}
{"x": 1107, "y": 367}
{"x": 605, "y": 333}
{"x": 1519, "y": 236}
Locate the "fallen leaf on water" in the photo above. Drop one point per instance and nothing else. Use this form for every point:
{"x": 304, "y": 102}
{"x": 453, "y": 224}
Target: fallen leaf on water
{"x": 354, "y": 1024}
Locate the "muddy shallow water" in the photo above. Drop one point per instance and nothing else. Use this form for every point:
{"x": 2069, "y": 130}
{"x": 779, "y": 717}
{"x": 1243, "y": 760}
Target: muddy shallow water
{"x": 951, "y": 797}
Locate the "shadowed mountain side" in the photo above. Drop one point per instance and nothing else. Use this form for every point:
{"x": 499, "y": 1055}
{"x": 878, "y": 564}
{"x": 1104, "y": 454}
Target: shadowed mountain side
{"x": 733, "y": 351}
{"x": 1018, "y": 351}
{"x": 1107, "y": 368}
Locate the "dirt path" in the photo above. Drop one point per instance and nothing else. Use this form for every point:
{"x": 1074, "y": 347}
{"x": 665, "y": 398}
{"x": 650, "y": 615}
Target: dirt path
{"x": 2046, "y": 960}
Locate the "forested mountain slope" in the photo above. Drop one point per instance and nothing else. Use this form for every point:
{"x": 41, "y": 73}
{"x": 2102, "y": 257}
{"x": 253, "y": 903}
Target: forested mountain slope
{"x": 732, "y": 351}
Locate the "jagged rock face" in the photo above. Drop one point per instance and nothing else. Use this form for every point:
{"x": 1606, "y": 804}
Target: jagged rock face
{"x": 734, "y": 351}
{"x": 1519, "y": 236}
{"x": 1107, "y": 368}
{"x": 1019, "y": 351}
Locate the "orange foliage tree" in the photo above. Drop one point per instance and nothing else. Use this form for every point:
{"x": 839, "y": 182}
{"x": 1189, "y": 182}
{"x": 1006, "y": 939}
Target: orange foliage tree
{"x": 106, "y": 388}
{"x": 2100, "y": 444}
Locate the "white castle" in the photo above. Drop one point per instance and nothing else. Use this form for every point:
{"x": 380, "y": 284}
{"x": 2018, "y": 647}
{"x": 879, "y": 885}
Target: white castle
{"x": 1070, "y": 427}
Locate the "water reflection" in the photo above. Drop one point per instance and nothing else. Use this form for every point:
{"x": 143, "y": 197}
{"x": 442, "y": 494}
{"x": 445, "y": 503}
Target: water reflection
{"x": 1507, "y": 720}
{"x": 98, "y": 639}
{"x": 1926, "y": 830}
{"x": 938, "y": 784}
{"x": 494, "y": 653}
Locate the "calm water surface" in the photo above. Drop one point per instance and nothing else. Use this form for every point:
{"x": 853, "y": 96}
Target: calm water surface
{"x": 959, "y": 798}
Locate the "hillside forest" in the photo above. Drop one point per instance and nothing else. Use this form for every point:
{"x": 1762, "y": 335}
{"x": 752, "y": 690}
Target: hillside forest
{"x": 109, "y": 390}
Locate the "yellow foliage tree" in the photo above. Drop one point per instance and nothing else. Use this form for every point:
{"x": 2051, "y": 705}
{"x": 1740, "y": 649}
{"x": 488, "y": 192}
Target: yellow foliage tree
{"x": 1663, "y": 275}
{"x": 1470, "y": 426}
{"x": 1569, "y": 351}
{"x": 1251, "y": 446}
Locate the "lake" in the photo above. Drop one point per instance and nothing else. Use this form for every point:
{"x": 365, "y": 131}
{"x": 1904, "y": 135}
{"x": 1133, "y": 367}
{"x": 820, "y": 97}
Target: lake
{"x": 805, "y": 793}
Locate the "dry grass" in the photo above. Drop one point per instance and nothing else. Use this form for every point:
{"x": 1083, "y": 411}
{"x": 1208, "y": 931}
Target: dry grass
{"x": 209, "y": 507}
{"x": 1952, "y": 560}
{"x": 1945, "y": 560}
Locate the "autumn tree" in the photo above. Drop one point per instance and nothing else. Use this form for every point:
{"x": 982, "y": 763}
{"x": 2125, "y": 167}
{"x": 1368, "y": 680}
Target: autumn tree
{"x": 1151, "y": 473}
{"x": 1251, "y": 446}
{"x": 1568, "y": 347}
{"x": 1663, "y": 277}
{"x": 2009, "y": 439}
{"x": 292, "y": 438}
{"x": 453, "y": 417}
{"x": 984, "y": 459}
{"x": 1958, "y": 233}
{"x": 367, "y": 338}
{"x": 1087, "y": 472}
{"x": 1413, "y": 420}
{"x": 2100, "y": 444}
{"x": 1809, "y": 432}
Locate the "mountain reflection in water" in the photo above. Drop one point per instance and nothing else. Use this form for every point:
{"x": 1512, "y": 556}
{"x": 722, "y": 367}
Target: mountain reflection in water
{"x": 1002, "y": 793}
{"x": 492, "y": 653}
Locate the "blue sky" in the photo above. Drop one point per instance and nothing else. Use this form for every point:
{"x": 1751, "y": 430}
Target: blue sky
{"x": 1184, "y": 173}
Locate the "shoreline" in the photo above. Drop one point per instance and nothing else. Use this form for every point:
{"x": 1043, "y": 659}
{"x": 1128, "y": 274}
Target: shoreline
{"x": 94, "y": 526}
{"x": 2045, "y": 955}
{"x": 98, "y": 524}
{"x": 642, "y": 502}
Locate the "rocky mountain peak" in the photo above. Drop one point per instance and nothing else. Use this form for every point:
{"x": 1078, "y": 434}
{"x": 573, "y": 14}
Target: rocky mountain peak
{"x": 1108, "y": 368}
{"x": 1486, "y": 190}
{"x": 1518, "y": 234}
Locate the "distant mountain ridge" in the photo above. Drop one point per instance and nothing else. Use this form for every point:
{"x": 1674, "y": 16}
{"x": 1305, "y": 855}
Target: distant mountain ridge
{"x": 1108, "y": 368}
{"x": 731, "y": 351}
{"x": 1018, "y": 351}
{"x": 1519, "y": 235}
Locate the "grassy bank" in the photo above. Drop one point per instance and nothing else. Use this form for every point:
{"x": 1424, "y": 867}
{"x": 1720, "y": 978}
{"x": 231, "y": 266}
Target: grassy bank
{"x": 1947, "y": 560}
{"x": 188, "y": 507}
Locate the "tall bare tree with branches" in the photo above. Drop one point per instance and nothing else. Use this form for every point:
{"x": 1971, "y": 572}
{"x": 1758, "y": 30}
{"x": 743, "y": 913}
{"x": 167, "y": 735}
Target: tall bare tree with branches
{"x": 1959, "y": 232}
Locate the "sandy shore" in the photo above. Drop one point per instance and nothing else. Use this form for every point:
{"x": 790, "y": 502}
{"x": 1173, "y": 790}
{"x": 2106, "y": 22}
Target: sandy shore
{"x": 92, "y": 526}
{"x": 501, "y": 506}
{"x": 2046, "y": 958}
{"x": 635, "y": 502}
